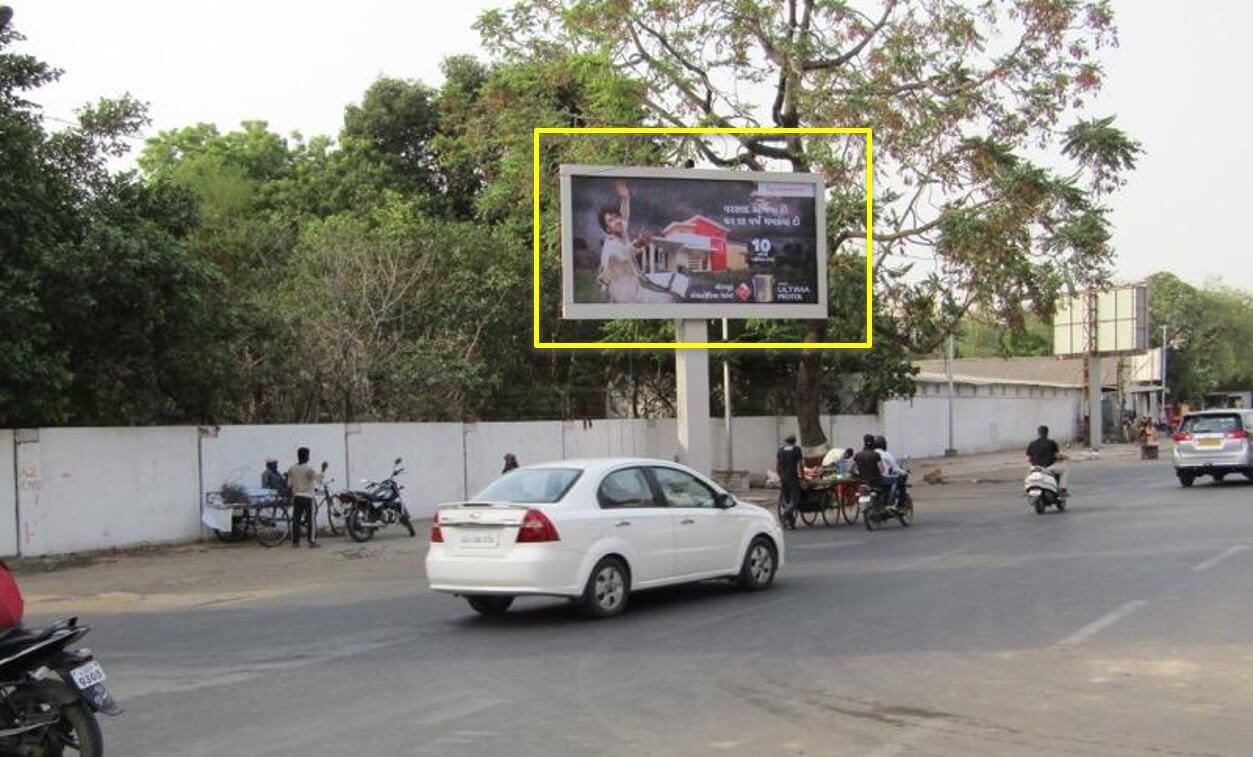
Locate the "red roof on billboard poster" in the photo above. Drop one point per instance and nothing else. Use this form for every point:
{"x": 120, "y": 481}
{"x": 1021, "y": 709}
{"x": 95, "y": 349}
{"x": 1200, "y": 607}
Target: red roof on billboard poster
{"x": 699, "y": 224}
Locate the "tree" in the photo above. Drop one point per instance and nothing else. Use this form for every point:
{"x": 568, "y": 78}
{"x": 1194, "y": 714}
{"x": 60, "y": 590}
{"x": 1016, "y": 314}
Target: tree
{"x": 1207, "y": 333}
{"x": 954, "y": 111}
{"x": 100, "y": 300}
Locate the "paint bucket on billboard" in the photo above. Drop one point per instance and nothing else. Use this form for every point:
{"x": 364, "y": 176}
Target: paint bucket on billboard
{"x": 763, "y": 287}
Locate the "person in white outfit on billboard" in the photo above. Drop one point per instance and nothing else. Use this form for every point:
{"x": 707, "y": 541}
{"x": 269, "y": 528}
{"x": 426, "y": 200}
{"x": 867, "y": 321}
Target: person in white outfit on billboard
{"x": 620, "y": 274}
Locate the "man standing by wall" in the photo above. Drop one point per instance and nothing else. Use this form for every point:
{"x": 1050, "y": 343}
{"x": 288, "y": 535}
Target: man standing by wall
{"x": 303, "y": 481}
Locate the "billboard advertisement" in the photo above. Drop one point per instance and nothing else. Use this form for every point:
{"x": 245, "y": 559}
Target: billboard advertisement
{"x": 689, "y": 243}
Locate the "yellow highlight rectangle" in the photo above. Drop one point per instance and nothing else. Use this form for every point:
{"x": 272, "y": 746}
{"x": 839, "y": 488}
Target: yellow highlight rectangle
{"x": 710, "y": 345}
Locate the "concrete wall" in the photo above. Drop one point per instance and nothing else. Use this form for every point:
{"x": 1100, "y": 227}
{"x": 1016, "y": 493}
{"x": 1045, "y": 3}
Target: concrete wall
{"x": 95, "y": 488}
{"x": 987, "y": 418}
{"x": 84, "y": 489}
{"x": 8, "y": 495}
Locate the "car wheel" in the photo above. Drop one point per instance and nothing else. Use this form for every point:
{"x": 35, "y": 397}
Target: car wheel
{"x": 491, "y": 606}
{"x": 1185, "y": 480}
{"x": 607, "y": 589}
{"x": 761, "y": 562}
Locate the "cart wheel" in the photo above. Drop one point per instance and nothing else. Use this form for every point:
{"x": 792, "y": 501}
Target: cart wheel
{"x": 335, "y": 519}
{"x": 273, "y": 525}
{"x": 830, "y": 515}
{"x": 810, "y": 517}
{"x": 848, "y": 506}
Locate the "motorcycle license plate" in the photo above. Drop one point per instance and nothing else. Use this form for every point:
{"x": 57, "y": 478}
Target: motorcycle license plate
{"x": 86, "y": 676}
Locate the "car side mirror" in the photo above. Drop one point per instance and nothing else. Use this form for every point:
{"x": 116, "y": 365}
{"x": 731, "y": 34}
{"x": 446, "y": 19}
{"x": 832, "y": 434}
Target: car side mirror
{"x": 724, "y": 501}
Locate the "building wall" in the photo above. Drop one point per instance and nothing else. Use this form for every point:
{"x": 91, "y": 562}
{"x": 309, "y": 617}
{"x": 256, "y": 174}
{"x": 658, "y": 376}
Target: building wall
{"x": 95, "y": 488}
{"x": 8, "y": 495}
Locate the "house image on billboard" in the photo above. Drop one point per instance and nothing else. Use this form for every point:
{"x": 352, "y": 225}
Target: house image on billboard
{"x": 698, "y": 245}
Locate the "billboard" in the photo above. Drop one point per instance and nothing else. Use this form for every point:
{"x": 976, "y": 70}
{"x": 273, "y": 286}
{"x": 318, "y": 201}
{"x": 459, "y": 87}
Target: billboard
{"x": 688, "y": 243}
{"x": 1121, "y": 325}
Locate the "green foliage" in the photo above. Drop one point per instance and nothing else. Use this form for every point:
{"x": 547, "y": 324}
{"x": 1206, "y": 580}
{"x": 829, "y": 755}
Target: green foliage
{"x": 1207, "y": 332}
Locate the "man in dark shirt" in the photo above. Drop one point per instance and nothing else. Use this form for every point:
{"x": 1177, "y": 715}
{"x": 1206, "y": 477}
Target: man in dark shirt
{"x": 1045, "y": 453}
{"x": 788, "y": 466}
{"x": 868, "y": 464}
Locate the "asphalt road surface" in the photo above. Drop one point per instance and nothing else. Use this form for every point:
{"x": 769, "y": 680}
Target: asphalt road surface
{"x": 1121, "y": 627}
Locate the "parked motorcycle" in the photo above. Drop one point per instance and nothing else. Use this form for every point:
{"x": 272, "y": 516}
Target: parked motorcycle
{"x": 50, "y": 694}
{"x": 377, "y": 506}
{"x": 1042, "y": 491}
{"x": 875, "y": 511}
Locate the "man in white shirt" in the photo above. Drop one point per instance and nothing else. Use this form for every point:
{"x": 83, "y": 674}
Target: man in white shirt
{"x": 892, "y": 470}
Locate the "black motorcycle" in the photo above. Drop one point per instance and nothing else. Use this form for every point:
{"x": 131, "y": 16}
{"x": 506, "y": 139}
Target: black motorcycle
{"x": 876, "y": 511}
{"x": 49, "y": 694}
{"x": 377, "y": 506}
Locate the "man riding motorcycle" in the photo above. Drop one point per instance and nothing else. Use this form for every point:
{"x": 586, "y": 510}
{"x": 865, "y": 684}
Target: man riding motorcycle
{"x": 868, "y": 465}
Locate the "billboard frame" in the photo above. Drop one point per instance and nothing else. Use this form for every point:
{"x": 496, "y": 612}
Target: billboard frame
{"x": 867, "y": 132}
{"x": 605, "y": 311}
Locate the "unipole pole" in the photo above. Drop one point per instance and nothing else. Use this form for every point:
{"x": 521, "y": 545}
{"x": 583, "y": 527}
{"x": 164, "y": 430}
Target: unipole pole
{"x": 951, "y": 450}
{"x": 726, "y": 396}
{"x": 691, "y": 369}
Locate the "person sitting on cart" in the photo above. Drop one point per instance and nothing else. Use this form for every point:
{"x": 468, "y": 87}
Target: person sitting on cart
{"x": 844, "y": 466}
{"x": 271, "y": 478}
{"x": 892, "y": 471}
{"x": 868, "y": 464}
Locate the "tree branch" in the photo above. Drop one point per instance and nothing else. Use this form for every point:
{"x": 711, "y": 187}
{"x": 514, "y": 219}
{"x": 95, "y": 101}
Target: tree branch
{"x": 836, "y": 62}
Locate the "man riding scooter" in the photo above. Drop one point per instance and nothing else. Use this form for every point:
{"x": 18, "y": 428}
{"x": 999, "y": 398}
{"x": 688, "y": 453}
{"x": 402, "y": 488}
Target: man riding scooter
{"x": 1045, "y": 453}
{"x": 892, "y": 471}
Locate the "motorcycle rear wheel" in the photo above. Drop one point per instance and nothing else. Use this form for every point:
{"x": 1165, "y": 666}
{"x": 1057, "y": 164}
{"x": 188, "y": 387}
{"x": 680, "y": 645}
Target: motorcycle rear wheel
{"x": 1039, "y": 507}
{"x": 905, "y": 513}
{"x": 76, "y": 733}
{"x": 357, "y": 530}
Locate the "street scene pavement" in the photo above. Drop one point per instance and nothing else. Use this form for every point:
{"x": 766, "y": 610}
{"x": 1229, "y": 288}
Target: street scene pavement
{"x": 1119, "y": 627}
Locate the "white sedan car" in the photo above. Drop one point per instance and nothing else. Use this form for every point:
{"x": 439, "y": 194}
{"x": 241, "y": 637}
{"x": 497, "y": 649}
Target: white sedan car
{"x": 596, "y": 530}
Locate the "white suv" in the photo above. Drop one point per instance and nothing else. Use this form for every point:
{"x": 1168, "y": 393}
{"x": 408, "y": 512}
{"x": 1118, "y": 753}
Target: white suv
{"x": 1213, "y": 443}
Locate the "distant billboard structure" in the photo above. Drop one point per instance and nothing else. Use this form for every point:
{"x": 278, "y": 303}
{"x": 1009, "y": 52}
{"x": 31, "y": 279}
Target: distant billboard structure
{"x": 1113, "y": 321}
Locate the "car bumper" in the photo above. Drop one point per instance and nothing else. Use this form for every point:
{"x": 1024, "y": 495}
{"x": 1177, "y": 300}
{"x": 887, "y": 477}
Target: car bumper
{"x": 539, "y": 570}
{"x": 1212, "y": 463}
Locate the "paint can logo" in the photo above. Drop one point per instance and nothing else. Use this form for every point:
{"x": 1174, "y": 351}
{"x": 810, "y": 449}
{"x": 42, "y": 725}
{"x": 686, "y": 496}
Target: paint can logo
{"x": 763, "y": 287}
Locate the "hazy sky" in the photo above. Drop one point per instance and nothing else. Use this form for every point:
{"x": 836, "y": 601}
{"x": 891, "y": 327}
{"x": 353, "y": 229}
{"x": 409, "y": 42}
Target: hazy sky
{"x": 1179, "y": 82}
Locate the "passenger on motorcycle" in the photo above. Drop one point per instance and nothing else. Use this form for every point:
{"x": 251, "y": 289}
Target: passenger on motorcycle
{"x": 1045, "y": 453}
{"x": 892, "y": 471}
{"x": 868, "y": 464}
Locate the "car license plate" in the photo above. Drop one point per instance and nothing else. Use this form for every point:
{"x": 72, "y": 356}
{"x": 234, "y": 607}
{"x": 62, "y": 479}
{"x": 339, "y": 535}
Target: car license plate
{"x": 481, "y": 540}
{"x": 1209, "y": 442}
{"x": 86, "y": 676}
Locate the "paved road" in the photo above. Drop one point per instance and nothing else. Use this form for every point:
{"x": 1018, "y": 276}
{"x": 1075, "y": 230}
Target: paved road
{"x": 1121, "y": 627}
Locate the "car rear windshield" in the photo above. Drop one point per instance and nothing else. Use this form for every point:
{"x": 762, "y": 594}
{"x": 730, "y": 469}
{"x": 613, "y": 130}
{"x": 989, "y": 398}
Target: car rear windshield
{"x": 1211, "y": 424}
{"x": 537, "y": 486}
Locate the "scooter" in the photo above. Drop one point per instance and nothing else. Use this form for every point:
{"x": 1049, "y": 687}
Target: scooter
{"x": 1042, "y": 491}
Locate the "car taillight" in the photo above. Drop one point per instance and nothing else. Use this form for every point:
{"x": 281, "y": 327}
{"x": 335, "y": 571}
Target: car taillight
{"x": 437, "y": 534}
{"x": 536, "y": 527}
{"x": 1240, "y": 434}
{"x": 1181, "y": 436}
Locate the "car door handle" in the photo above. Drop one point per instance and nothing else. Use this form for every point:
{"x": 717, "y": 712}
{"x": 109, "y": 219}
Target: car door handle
{"x": 622, "y": 523}
{"x": 687, "y": 521}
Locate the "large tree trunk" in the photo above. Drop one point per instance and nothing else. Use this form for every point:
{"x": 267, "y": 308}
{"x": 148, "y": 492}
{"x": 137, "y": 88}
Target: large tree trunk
{"x": 808, "y": 404}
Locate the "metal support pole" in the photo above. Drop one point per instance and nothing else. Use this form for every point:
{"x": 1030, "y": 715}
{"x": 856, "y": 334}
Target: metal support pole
{"x": 726, "y": 397}
{"x": 951, "y": 450}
